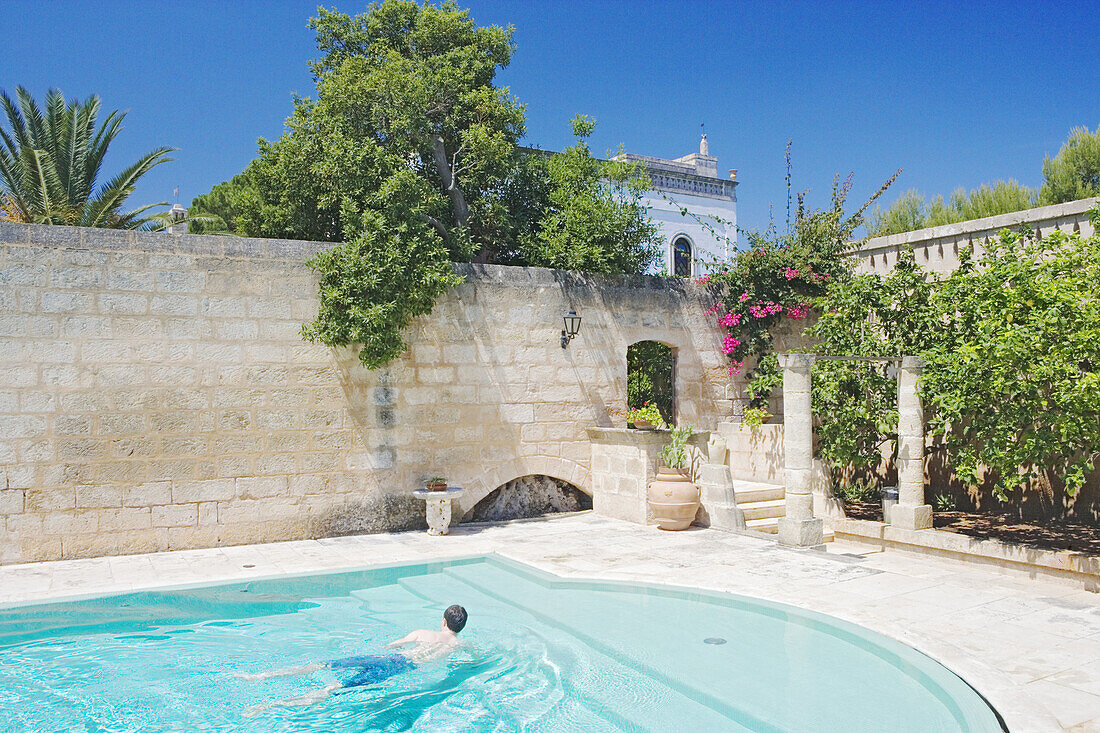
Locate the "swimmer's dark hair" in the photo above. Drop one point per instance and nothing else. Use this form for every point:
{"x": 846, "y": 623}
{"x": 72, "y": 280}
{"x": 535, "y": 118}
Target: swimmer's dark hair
{"x": 455, "y": 618}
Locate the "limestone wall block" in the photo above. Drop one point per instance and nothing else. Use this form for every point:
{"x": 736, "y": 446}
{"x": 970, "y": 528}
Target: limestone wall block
{"x": 69, "y": 523}
{"x": 127, "y": 303}
{"x": 126, "y": 518}
{"x": 186, "y": 492}
{"x": 175, "y": 515}
{"x": 147, "y": 494}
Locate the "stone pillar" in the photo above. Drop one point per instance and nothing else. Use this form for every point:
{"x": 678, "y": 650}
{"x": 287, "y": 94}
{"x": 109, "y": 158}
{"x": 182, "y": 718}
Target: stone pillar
{"x": 798, "y": 527}
{"x": 910, "y": 512}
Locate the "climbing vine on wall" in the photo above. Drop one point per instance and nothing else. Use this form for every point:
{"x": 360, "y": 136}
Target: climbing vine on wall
{"x": 780, "y": 278}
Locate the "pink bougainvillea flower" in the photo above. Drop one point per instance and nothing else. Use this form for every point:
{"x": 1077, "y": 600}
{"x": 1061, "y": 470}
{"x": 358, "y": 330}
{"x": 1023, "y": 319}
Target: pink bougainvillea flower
{"x": 790, "y": 273}
{"x": 744, "y": 297}
{"x": 735, "y": 367}
{"x": 730, "y": 320}
{"x": 702, "y": 280}
{"x": 798, "y": 312}
{"x": 729, "y": 345}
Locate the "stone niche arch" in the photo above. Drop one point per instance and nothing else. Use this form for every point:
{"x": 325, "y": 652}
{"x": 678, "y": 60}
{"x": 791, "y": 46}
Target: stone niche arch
{"x": 528, "y": 496}
{"x": 561, "y": 469}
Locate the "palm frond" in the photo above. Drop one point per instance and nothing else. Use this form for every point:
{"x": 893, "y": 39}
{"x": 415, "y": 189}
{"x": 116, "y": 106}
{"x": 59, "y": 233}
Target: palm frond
{"x": 110, "y": 197}
{"x": 50, "y": 160}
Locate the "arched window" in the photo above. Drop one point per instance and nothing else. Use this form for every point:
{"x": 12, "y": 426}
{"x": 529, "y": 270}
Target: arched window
{"x": 681, "y": 257}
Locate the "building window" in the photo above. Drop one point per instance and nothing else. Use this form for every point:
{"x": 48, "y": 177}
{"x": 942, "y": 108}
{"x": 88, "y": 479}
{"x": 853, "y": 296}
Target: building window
{"x": 681, "y": 257}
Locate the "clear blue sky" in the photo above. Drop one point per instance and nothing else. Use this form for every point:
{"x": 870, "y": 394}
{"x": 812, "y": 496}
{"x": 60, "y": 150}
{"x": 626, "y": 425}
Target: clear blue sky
{"x": 955, "y": 93}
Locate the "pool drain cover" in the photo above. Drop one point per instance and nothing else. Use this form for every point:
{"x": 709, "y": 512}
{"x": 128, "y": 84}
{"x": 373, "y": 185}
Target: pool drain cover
{"x": 714, "y": 640}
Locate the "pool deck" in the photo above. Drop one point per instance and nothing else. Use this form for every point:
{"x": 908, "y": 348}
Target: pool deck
{"x": 1030, "y": 645}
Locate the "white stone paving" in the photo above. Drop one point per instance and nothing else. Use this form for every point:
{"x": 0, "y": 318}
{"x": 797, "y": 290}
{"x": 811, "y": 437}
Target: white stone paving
{"x": 1030, "y": 645}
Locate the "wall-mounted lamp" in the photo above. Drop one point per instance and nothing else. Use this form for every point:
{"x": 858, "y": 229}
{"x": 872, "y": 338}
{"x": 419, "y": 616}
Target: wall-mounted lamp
{"x": 572, "y": 326}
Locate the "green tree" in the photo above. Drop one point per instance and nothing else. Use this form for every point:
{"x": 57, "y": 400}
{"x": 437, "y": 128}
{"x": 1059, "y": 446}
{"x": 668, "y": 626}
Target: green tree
{"x": 1014, "y": 381}
{"x": 1012, "y": 345}
{"x": 1074, "y": 173}
{"x": 50, "y": 161}
{"x": 594, "y": 219}
{"x": 904, "y": 215}
{"x": 408, "y": 157}
{"x": 910, "y": 211}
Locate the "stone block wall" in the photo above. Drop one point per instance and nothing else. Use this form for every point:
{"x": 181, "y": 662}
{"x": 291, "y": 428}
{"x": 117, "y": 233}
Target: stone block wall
{"x": 155, "y": 393}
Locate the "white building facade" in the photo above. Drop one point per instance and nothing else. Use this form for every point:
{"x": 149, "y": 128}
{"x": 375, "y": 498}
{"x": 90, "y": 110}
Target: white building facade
{"x": 694, "y": 243}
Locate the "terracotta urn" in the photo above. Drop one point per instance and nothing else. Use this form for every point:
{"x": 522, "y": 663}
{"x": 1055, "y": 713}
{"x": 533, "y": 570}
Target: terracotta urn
{"x": 673, "y": 499}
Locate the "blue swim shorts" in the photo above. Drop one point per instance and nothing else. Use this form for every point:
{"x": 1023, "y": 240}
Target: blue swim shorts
{"x": 373, "y": 668}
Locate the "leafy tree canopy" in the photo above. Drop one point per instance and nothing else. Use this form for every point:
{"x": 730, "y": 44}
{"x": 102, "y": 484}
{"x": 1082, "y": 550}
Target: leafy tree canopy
{"x": 409, "y": 157}
{"x": 911, "y": 211}
{"x": 50, "y": 161}
{"x": 1074, "y": 173}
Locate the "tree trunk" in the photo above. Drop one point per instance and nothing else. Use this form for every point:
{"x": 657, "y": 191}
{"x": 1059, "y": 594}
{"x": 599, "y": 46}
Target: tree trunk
{"x": 443, "y": 167}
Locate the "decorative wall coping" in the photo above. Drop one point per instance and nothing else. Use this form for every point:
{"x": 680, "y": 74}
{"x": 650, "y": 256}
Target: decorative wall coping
{"x": 984, "y": 225}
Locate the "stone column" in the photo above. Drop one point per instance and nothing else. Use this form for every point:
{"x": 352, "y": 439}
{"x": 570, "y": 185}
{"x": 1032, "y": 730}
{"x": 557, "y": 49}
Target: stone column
{"x": 911, "y": 512}
{"x": 798, "y": 527}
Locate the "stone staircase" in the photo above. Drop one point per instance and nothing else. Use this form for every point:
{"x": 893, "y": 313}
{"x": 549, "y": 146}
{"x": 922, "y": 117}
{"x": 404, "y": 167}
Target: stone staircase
{"x": 755, "y": 461}
{"x": 764, "y": 505}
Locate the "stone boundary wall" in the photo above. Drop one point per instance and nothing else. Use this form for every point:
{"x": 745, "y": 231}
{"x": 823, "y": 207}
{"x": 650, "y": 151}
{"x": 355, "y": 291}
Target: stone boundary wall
{"x": 155, "y": 393}
{"x": 938, "y": 248}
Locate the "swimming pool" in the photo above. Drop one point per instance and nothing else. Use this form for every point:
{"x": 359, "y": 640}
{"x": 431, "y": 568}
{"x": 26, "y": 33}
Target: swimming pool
{"x": 540, "y": 653}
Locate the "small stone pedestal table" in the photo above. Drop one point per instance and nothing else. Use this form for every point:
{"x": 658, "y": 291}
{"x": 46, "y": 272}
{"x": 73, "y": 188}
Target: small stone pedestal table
{"x": 438, "y": 508}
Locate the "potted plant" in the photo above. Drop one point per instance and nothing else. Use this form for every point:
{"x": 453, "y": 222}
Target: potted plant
{"x": 673, "y": 498}
{"x": 646, "y": 417}
{"x": 436, "y": 483}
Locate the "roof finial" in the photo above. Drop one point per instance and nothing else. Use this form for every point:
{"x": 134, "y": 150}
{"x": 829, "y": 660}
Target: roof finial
{"x": 704, "y": 146}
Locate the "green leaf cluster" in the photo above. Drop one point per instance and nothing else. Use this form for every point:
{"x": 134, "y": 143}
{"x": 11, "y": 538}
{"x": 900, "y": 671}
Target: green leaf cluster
{"x": 674, "y": 455}
{"x": 1074, "y": 173}
{"x": 50, "y": 160}
{"x": 1012, "y": 345}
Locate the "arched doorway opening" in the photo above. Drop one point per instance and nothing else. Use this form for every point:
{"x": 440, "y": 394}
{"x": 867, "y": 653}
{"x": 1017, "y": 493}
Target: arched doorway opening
{"x": 529, "y": 496}
{"x": 651, "y": 377}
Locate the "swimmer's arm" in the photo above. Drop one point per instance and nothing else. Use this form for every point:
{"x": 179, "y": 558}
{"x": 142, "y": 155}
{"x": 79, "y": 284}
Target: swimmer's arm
{"x": 410, "y": 639}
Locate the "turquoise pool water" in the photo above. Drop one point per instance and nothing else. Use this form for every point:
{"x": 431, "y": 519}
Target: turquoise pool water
{"x": 539, "y": 654}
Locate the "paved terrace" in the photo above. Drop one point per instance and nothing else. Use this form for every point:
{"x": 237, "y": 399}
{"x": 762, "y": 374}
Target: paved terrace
{"x": 1031, "y": 646}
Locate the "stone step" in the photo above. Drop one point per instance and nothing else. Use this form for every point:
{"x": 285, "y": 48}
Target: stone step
{"x": 768, "y": 525}
{"x": 748, "y": 492}
{"x": 767, "y": 509}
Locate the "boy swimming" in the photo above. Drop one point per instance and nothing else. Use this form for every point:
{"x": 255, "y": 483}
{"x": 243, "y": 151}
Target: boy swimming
{"x": 422, "y": 645}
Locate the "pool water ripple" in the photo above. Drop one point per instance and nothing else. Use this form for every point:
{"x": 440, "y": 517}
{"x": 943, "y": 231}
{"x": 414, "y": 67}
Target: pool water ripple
{"x": 539, "y": 654}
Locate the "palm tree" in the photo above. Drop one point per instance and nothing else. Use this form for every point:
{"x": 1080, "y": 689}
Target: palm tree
{"x": 49, "y": 165}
